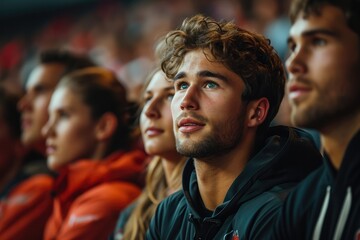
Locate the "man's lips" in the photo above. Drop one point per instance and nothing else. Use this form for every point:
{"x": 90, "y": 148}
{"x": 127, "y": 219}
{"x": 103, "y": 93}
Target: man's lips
{"x": 188, "y": 125}
{"x": 153, "y": 131}
{"x": 297, "y": 91}
{"x": 25, "y": 123}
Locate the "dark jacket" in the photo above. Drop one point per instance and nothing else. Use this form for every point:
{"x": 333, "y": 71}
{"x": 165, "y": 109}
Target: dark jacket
{"x": 251, "y": 202}
{"x": 326, "y": 204}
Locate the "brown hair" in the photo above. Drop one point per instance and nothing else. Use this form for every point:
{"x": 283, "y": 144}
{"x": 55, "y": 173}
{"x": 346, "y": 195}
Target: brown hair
{"x": 351, "y": 9}
{"x": 102, "y": 92}
{"x": 247, "y": 54}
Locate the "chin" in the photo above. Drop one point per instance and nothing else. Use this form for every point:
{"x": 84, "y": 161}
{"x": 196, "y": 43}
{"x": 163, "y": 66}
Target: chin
{"x": 51, "y": 163}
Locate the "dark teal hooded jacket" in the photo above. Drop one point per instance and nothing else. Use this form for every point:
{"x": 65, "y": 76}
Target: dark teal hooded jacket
{"x": 252, "y": 201}
{"x": 326, "y": 204}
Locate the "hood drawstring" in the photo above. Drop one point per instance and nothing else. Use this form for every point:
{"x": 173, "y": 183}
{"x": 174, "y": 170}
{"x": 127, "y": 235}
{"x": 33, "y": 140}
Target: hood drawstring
{"x": 320, "y": 221}
{"x": 345, "y": 210}
{"x": 343, "y": 215}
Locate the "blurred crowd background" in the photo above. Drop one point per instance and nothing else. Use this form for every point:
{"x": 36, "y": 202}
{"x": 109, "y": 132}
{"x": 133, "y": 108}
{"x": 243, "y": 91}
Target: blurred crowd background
{"x": 119, "y": 35}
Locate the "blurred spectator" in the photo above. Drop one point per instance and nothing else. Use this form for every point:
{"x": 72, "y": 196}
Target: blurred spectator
{"x": 164, "y": 171}
{"x": 27, "y": 202}
{"x": 88, "y": 145}
{"x": 52, "y": 65}
{"x": 24, "y": 188}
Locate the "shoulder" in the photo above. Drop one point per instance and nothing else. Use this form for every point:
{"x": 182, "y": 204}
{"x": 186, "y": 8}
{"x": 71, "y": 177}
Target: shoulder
{"x": 171, "y": 212}
{"x": 42, "y": 181}
{"x": 112, "y": 195}
{"x": 310, "y": 189}
{"x": 301, "y": 208}
{"x": 37, "y": 187}
{"x": 173, "y": 204}
{"x": 124, "y": 216}
{"x": 171, "y": 208}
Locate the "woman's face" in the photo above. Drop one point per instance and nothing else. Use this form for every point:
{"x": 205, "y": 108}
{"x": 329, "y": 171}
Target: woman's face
{"x": 156, "y": 120}
{"x": 70, "y": 130}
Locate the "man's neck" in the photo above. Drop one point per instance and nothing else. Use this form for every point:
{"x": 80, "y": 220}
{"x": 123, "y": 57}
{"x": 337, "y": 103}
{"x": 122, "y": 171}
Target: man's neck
{"x": 336, "y": 138}
{"x": 8, "y": 175}
{"x": 216, "y": 175}
{"x": 39, "y": 147}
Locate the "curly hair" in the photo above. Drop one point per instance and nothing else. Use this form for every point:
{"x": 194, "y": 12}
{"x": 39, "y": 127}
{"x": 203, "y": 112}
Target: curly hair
{"x": 351, "y": 9}
{"x": 247, "y": 54}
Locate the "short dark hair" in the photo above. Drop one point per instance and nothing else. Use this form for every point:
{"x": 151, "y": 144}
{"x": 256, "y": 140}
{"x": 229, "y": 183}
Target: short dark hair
{"x": 351, "y": 9}
{"x": 247, "y": 54}
{"x": 70, "y": 60}
{"x": 99, "y": 89}
{"x": 9, "y": 111}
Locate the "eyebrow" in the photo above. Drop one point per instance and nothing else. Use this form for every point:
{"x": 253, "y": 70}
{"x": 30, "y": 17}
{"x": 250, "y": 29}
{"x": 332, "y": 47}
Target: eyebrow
{"x": 169, "y": 88}
{"x": 165, "y": 90}
{"x": 205, "y": 73}
{"x": 313, "y": 32}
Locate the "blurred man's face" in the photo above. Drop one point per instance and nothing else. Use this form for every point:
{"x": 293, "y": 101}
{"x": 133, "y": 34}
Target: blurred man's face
{"x": 34, "y": 104}
{"x": 324, "y": 69}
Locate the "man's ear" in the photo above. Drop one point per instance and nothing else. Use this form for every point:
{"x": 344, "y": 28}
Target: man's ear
{"x": 257, "y": 112}
{"x": 106, "y": 126}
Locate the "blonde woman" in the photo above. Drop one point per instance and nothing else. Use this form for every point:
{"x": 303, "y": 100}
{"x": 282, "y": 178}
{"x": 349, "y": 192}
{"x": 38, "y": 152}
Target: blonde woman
{"x": 164, "y": 171}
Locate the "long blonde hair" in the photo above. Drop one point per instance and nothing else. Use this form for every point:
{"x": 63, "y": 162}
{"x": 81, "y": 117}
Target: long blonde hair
{"x": 156, "y": 189}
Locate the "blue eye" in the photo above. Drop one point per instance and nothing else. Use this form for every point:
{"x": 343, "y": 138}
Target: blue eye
{"x": 211, "y": 85}
{"x": 319, "y": 42}
{"x": 182, "y": 86}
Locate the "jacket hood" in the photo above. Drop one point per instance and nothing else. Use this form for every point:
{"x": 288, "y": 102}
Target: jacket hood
{"x": 84, "y": 174}
{"x": 348, "y": 173}
{"x": 286, "y": 157}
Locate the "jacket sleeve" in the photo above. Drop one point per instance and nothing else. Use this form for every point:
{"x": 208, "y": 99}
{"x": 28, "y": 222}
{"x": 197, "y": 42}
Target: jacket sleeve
{"x": 27, "y": 209}
{"x": 264, "y": 220}
{"x": 93, "y": 215}
{"x": 154, "y": 232}
{"x": 121, "y": 222}
{"x": 297, "y": 218}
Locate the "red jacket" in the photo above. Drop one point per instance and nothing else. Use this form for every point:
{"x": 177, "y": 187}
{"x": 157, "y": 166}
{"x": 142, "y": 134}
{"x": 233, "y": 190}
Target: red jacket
{"x": 26, "y": 208}
{"x": 26, "y": 202}
{"x": 90, "y": 194}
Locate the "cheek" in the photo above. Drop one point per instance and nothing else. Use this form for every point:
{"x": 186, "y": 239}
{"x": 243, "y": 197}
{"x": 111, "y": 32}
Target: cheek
{"x": 41, "y": 106}
{"x": 175, "y": 104}
{"x": 78, "y": 143}
{"x": 168, "y": 120}
{"x": 142, "y": 122}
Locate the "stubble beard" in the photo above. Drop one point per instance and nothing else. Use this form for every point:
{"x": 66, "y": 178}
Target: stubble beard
{"x": 221, "y": 140}
{"x": 322, "y": 113}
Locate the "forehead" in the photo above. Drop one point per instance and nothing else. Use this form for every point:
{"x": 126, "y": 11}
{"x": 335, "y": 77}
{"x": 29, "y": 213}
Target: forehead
{"x": 197, "y": 61}
{"x": 158, "y": 82}
{"x": 45, "y": 74}
{"x": 328, "y": 17}
{"x": 64, "y": 97}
